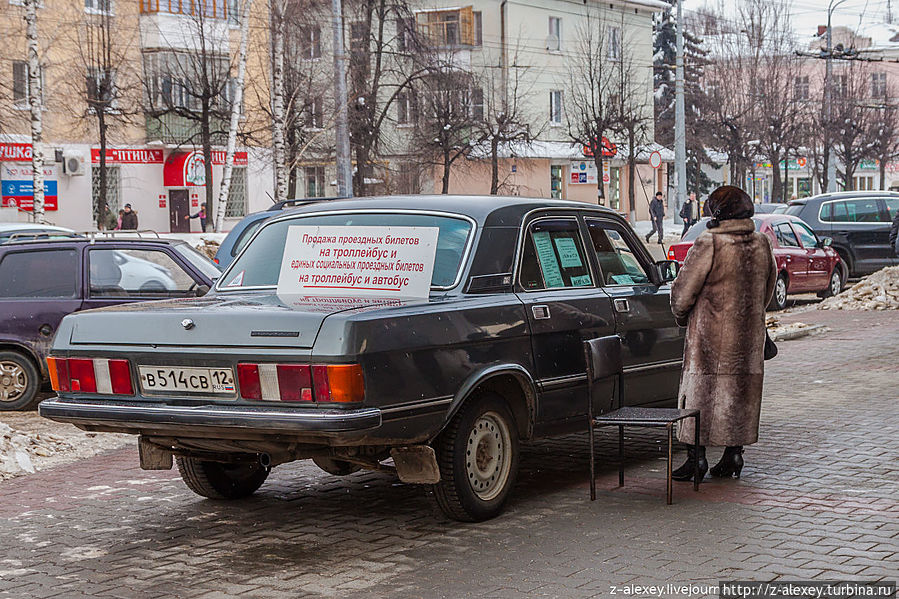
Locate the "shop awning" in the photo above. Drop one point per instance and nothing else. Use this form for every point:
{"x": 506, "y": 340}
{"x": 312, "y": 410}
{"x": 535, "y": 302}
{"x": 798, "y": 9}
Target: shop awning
{"x": 184, "y": 169}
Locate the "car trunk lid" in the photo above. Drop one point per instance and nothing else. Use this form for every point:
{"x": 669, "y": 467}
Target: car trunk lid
{"x": 223, "y": 321}
{"x": 678, "y": 251}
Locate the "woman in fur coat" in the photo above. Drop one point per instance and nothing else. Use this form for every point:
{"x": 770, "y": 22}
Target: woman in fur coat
{"x": 720, "y": 295}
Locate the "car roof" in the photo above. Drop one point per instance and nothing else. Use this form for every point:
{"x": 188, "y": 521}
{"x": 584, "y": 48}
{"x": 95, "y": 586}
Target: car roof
{"x": 32, "y": 227}
{"x": 845, "y": 195}
{"x": 486, "y": 210}
{"x": 84, "y": 240}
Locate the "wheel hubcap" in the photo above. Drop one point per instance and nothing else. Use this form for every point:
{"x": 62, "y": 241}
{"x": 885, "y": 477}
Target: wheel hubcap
{"x": 487, "y": 460}
{"x": 781, "y": 292}
{"x": 835, "y": 283}
{"x": 13, "y": 381}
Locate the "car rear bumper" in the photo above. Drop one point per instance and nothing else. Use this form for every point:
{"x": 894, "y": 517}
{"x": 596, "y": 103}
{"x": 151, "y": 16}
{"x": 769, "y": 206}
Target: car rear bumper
{"x": 236, "y": 421}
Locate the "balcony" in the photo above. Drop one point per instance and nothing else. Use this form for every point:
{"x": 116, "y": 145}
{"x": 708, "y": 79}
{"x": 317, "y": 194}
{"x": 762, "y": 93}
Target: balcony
{"x": 175, "y": 129}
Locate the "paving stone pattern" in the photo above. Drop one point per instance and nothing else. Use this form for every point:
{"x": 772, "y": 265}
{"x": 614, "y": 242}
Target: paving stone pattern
{"x": 819, "y": 499}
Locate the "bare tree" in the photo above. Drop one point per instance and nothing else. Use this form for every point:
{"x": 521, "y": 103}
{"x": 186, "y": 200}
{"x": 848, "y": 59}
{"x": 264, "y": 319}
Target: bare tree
{"x": 277, "y": 11}
{"x": 592, "y": 103}
{"x": 189, "y": 91}
{"x": 853, "y": 121}
{"x": 884, "y": 129}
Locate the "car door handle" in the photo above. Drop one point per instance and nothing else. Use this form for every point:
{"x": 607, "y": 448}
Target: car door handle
{"x": 540, "y": 312}
{"x": 621, "y": 305}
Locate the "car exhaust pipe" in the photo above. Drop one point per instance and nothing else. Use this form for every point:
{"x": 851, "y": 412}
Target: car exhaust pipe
{"x": 265, "y": 461}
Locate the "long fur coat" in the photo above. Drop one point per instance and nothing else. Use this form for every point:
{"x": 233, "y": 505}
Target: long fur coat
{"x": 720, "y": 295}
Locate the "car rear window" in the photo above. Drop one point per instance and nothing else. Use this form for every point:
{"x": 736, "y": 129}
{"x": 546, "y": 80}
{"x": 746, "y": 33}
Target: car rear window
{"x": 47, "y": 273}
{"x": 260, "y": 263}
{"x": 700, "y": 226}
{"x": 245, "y": 236}
{"x": 198, "y": 260}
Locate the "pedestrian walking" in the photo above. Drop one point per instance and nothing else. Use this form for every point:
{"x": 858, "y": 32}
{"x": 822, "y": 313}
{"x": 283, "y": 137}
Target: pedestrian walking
{"x": 657, "y": 216}
{"x": 129, "y": 219}
{"x": 201, "y": 214}
{"x": 894, "y": 233}
{"x": 688, "y": 213}
{"x": 720, "y": 295}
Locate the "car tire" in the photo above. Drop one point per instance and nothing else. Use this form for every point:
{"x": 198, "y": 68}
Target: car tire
{"x": 779, "y": 299}
{"x": 834, "y": 283}
{"x": 478, "y": 458}
{"x": 220, "y": 480}
{"x": 20, "y": 381}
{"x": 844, "y": 256}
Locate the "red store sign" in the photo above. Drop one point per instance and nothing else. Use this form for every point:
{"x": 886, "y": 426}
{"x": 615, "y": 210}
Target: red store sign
{"x": 15, "y": 152}
{"x": 128, "y": 156}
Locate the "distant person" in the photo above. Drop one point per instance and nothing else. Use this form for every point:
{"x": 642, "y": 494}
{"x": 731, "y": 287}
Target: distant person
{"x": 720, "y": 295}
{"x": 201, "y": 214}
{"x": 894, "y": 234}
{"x": 706, "y": 211}
{"x": 118, "y": 226}
{"x": 657, "y": 216}
{"x": 688, "y": 213}
{"x": 129, "y": 219}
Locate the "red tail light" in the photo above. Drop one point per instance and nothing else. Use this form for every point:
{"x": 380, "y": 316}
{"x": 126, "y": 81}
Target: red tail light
{"x": 671, "y": 254}
{"x": 333, "y": 383}
{"x": 91, "y": 375}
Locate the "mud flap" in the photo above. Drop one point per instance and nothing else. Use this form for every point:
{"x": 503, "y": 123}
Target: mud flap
{"x": 416, "y": 464}
{"x": 152, "y": 456}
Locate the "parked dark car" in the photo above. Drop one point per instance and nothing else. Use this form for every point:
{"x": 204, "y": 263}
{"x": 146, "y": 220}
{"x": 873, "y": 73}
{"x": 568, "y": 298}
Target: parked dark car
{"x": 43, "y": 280}
{"x": 447, "y": 386}
{"x": 858, "y": 222}
{"x": 805, "y": 263}
{"x": 238, "y": 237}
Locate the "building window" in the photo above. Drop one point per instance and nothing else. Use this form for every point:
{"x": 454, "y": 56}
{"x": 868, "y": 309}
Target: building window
{"x": 614, "y": 187}
{"x": 101, "y": 90}
{"x": 405, "y": 32}
{"x": 555, "y": 107}
{"x": 213, "y": 9}
{"x": 315, "y": 181}
{"x": 357, "y": 34}
{"x": 98, "y": 6}
{"x": 237, "y": 193}
{"x": 408, "y": 180}
{"x": 447, "y": 28}
{"x": 614, "y": 43}
{"x": 840, "y": 86}
{"x": 878, "y": 85}
{"x": 863, "y": 183}
{"x": 310, "y": 42}
{"x": 478, "y": 28}
{"x": 113, "y": 177}
{"x": 800, "y": 88}
{"x": 554, "y": 40}
{"x": 21, "y": 90}
{"x": 477, "y": 104}
{"x": 406, "y": 108}
{"x": 315, "y": 113}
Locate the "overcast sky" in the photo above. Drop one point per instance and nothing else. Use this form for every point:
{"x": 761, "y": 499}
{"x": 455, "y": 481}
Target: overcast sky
{"x": 808, "y": 14}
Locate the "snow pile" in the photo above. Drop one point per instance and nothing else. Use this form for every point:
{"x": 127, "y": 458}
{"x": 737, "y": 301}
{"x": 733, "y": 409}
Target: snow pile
{"x": 18, "y": 447}
{"x": 877, "y": 291}
{"x": 208, "y": 247}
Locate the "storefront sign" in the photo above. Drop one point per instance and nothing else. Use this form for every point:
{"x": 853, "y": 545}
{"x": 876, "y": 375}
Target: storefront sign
{"x": 358, "y": 261}
{"x": 608, "y": 149}
{"x": 188, "y": 169}
{"x": 18, "y": 187}
{"x": 583, "y": 172}
{"x": 218, "y": 158}
{"x": 606, "y": 177}
{"x": 162, "y": 200}
{"x": 15, "y": 152}
{"x": 129, "y": 156}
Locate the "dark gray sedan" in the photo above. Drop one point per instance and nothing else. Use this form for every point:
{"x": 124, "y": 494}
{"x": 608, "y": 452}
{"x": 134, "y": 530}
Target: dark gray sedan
{"x": 243, "y": 379}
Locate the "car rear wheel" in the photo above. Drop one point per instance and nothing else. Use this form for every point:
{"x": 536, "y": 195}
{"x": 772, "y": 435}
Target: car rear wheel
{"x": 219, "y": 480}
{"x": 19, "y": 382}
{"x": 779, "y": 299}
{"x": 834, "y": 285}
{"x": 478, "y": 459}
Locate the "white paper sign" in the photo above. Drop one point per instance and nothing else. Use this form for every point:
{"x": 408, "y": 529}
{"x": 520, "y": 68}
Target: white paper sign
{"x": 387, "y": 262}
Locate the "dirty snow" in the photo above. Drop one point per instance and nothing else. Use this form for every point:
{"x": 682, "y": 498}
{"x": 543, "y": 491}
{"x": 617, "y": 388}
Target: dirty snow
{"x": 779, "y": 331}
{"x": 877, "y": 291}
{"x": 29, "y": 443}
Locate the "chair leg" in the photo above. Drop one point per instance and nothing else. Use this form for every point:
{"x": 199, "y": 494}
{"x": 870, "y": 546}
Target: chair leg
{"x": 591, "y": 434}
{"x": 696, "y": 453}
{"x": 669, "y": 485}
{"x": 620, "y": 455}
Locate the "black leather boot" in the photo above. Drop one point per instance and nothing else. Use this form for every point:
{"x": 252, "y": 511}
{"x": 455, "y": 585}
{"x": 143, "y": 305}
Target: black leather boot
{"x": 685, "y": 472}
{"x": 730, "y": 464}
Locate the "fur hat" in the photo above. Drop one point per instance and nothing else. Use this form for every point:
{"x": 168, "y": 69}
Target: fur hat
{"x": 729, "y": 203}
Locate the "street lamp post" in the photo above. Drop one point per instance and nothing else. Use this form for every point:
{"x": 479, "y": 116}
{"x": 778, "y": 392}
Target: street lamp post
{"x": 828, "y": 101}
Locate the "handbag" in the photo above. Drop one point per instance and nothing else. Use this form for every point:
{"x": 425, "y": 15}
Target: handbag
{"x": 770, "y": 346}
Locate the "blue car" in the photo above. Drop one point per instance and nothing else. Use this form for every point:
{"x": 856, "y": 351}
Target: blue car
{"x": 243, "y": 231}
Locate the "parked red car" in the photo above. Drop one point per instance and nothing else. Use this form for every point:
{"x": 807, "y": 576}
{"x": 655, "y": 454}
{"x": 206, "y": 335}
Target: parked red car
{"x": 805, "y": 263}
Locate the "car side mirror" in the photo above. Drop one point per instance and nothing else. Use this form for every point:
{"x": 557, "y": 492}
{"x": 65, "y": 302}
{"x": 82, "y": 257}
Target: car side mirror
{"x": 202, "y": 290}
{"x": 825, "y": 242}
{"x": 666, "y": 271}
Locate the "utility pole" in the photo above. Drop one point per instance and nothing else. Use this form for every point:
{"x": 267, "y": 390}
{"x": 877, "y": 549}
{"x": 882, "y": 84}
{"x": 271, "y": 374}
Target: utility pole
{"x": 828, "y": 105}
{"x": 680, "y": 135}
{"x": 344, "y": 165}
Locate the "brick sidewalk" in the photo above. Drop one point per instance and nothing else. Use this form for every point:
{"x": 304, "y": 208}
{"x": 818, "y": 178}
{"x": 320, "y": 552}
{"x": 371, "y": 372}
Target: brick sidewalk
{"x": 819, "y": 498}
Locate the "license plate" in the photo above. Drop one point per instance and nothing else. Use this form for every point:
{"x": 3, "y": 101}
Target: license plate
{"x": 163, "y": 379}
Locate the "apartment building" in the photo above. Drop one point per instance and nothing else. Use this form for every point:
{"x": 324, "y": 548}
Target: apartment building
{"x": 511, "y": 47}
{"x": 153, "y": 155}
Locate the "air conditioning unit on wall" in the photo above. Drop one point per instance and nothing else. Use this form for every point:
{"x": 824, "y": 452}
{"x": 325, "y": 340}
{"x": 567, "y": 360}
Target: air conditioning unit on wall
{"x": 73, "y": 163}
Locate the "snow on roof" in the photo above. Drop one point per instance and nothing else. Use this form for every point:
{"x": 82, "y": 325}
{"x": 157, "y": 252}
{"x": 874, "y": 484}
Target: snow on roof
{"x": 565, "y": 150}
